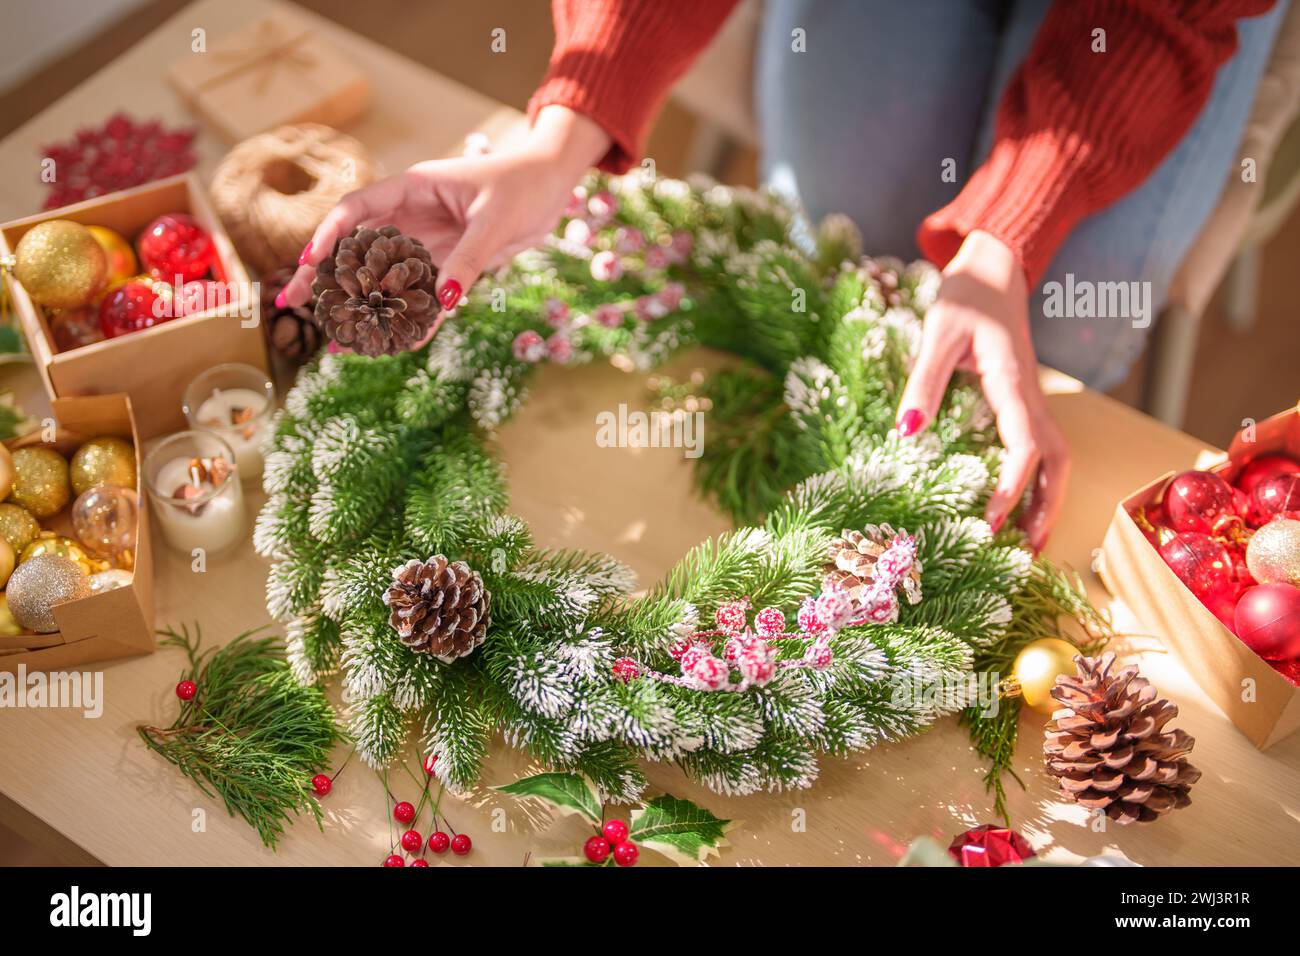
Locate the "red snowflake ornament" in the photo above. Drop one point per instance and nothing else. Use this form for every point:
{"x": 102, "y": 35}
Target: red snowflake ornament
{"x": 120, "y": 154}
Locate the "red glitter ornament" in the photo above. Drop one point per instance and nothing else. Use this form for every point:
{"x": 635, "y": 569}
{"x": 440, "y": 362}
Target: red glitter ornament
{"x": 1263, "y": 468}
{"x": 176, "y": 245}
{"x": 990, "y": 845}
{"x": 1268, "y": 621}
{"x": 1200, "y": 562}
{"x": 1197, "y": 500}
{"x": 1279, "y": 495}
{"x": 118, "y": 155}
{"x": 131, "y": 307}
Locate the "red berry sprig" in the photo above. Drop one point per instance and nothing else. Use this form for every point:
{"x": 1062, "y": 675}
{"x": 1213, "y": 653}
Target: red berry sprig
{"x": 403, "y": 812}
{"x": 412, "y": 841}
{"x": 439, "y": 842}
{"x": 612, "y": 839}
{"x": 186, "y": 690}
{"x": 394, "y": 859}
{"x": 322, "y": 784}
{"x": 461, "y": 844}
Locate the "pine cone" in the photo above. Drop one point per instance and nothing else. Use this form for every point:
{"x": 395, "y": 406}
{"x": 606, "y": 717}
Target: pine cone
{"x": 1107, "y": 746}
{"x": 439, "y": 607}
{"x": 375, "y": 293}
{"x": 851, "y": 562}
{"x": 292, "y": 331}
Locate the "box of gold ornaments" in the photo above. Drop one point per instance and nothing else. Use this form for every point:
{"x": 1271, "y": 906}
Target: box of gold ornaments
{"x": 75, "y": 561}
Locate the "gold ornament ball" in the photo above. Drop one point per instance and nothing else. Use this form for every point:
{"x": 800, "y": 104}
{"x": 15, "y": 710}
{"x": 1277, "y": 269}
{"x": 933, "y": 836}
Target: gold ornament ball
{"x": 6, "y": 472}
{"x": 109, "y": 580}
{"x": 40, "y": 481}
{"x": 103, "y": 461}
{"x": 1036, "y": 668}
{"x": 8, "y": 626}
{"x": 47, "y": 542}
{"x": 1273, "y": 554}
{"x": 36, "y": 586}
{"x": 60, "y": 264}
{"x": 7, "y": 561}
{"x": 119, "y": 257}
{"x": 17, "y": 526}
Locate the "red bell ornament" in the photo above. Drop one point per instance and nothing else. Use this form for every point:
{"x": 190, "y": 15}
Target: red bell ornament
{"x": 1279, "y": 495}
{"x": 1201, "y": 562}
{"x": 1261, "y": 469}
{"x": 176, "y": 245}
{"x": 1268, "y": 621}
{"x": 1199, "y": 501}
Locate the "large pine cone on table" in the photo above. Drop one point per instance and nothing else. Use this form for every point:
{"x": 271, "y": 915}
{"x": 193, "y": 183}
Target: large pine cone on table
{"x": 375, "y": 294}
{"x": 439, "y": 607}
{"x": 1108, "y": 748}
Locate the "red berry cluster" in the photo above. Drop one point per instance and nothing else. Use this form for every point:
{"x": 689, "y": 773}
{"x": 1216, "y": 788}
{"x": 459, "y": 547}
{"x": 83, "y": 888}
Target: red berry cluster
{"x": 612, "y": 837}
{"x": 413, "y": 842}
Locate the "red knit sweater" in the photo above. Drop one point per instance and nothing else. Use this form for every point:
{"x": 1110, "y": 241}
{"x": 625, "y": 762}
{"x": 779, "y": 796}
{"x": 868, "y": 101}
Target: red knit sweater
{"x": 1076, "y": 129}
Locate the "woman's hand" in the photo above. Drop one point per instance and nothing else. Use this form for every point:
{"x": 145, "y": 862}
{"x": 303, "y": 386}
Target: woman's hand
{"x": 470, "y": 212}
{"x": 980, "y": 323}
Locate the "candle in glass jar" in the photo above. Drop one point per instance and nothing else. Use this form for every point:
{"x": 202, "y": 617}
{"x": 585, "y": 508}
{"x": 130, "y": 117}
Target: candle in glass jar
{"x": 238, "y": 415}
{"x": 199, "y": 503}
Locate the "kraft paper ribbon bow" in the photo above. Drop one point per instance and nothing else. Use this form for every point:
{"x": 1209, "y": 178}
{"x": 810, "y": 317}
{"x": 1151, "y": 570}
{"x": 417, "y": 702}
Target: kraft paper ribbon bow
{"x": 270, "y": 50}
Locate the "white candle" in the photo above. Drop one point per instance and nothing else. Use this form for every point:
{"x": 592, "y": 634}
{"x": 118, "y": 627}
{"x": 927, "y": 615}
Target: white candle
{"x": 238, "y": 416}
{"x": 212, "y": 524}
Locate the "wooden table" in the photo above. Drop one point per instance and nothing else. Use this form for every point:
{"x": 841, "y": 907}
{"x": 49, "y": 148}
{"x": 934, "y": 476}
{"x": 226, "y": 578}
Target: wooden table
{"x": 89, "y": 791}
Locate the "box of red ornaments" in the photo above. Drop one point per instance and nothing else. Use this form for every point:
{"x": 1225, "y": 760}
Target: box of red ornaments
{"x": 74, "y": 540}
{"x": 136, "y": 291}
{"x": 1209, "y": 561}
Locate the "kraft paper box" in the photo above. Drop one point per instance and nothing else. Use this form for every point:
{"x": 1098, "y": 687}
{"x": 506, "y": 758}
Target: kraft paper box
{"x": 278, "y": 70}
{"x": 155, "y": 365}
{"x": 1263, "y": 704}
{"x": 117, "y": 623}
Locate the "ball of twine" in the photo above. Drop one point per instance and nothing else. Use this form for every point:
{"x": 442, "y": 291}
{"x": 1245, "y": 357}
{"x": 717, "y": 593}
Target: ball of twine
{"x": 273, "y": 189}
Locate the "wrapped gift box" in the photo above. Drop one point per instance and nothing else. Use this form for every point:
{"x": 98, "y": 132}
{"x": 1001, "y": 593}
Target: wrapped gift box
{"x": 155, "y": 365}
{"x": 117, "y": 623}
{"x": 276, "y": 71}
{"x": 1263, "y": 704}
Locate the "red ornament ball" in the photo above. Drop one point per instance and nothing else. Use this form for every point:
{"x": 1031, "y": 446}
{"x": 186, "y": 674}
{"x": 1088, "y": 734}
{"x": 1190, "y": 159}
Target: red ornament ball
{"x": 1279, "y": 495}
{"x": 429, "y": 763}
{"x": 420, "y": 863}
{"x": 439, "y": 841}
{"x": 322, "y": 784}
{"x": 461, "y": 844}
{"x": 403, "y": 812}
{"x": 412, "y": 841}
{"x": 1197, "y": 500}
{"x": 615, "y": 831}
{"x": 131, "y": 307}
{"x": 176, "y": 245}
{"x": 626, "y": 853}
{"x": 394, "y": 860}
{"x": 186, "y": 690}
{"x": 1200, "y": 562}
{"x": 1263, "y": 468}
{"x": 596, "y": 849}
{"x": 990, "y": 845}
{"x": 1268, "y": 621}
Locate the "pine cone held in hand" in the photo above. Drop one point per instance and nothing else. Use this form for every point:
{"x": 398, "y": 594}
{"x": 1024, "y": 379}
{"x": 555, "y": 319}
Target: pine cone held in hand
{"x": 439, "y": 607}
{"x": 375, "y": 293}
{"x": 1108, "y": 747}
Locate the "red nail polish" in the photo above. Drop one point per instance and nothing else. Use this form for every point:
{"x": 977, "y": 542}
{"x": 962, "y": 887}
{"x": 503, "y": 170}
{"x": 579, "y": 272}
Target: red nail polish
{"x": 996, "y": 523}
{"x": 910, "y": 422}
{"x": 279, "y": 300}
{"x": 306, "y": 251}
{"x": 450, "y": 294}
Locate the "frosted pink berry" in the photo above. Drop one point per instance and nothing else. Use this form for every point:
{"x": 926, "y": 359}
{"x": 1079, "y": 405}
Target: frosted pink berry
{"x": 730, "y": 617}
{"x": 626, "y": 669}
{"x": 529, "y": 346}
{"x": 606, "y": 267}
{"x": 769, "y": 622}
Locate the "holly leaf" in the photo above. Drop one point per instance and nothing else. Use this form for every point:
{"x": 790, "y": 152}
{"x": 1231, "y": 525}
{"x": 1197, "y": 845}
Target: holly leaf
{"x": 569, "y": 792}
{"x": 680, "y": 830}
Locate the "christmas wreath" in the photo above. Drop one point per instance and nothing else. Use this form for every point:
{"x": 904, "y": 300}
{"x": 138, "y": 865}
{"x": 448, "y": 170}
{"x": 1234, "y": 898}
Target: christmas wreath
{"x": 860, "y": 598}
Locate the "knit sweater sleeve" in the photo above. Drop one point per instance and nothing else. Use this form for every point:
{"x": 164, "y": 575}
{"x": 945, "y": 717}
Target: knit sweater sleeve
{"x": 1080, "y": 125}
{"x": 615, "y": 60}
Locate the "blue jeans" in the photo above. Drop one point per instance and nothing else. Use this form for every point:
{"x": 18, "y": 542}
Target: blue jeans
{"x": 862, "y": 122}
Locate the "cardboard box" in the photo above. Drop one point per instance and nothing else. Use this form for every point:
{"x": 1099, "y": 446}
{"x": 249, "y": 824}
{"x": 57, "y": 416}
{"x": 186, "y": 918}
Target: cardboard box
{"x": 117, "y": 623}
{"x": 276, "y": 71}
{"x": 153, "y": 366}
{"x": 1227, "y": 670}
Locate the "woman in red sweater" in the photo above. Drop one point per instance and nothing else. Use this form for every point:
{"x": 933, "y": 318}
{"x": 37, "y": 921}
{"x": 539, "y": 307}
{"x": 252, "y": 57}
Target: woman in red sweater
{"x": 881, "y": 110}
